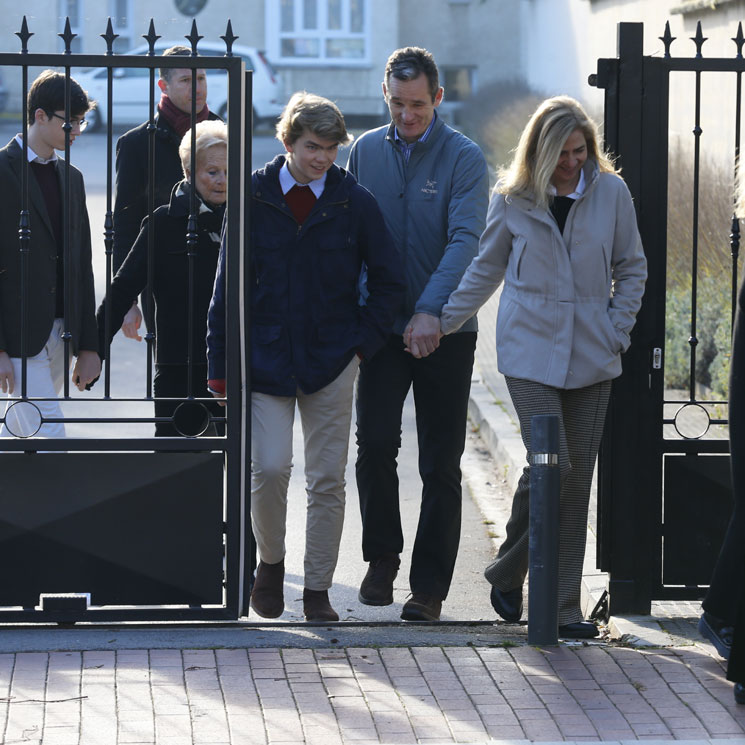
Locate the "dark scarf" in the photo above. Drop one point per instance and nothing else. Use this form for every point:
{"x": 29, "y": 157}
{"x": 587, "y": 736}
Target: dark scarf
{"x": 179, "y": 120}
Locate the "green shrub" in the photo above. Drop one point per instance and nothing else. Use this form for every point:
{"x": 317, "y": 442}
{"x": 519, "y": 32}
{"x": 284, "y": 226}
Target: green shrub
{"x": 713, "y": 330}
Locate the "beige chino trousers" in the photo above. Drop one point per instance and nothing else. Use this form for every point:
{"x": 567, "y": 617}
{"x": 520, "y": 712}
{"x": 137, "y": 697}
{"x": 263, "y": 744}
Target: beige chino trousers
{"x": 326, "y": 417}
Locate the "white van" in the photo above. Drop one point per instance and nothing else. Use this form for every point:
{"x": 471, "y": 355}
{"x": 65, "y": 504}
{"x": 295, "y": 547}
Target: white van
{"x": 130, "y": 88}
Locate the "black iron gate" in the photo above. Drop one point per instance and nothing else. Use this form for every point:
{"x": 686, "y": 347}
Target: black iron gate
{"x": 113, "y": 527}
{"x": 664, "y": 493}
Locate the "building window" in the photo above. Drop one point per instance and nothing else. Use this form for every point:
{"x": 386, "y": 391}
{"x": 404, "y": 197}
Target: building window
{"x": 329, "y": 32}
{"x": 72, "y": 9}
{"x": 120, "y": 12}
{"x": 459, "y": 82}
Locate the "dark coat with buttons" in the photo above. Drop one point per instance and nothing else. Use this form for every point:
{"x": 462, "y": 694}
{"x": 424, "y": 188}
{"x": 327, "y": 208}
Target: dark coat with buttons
{"x": 132, "y": 179}
{"x": 174, "y": 301}
{"x": 42, "y": 261}
{"x": 307, "y": 317}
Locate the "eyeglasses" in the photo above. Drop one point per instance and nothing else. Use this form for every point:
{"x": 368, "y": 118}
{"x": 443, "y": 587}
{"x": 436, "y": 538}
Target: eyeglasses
{"x": 81, "y": 124}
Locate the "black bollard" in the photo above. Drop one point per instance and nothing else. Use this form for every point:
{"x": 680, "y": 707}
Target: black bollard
{"x": 543, "y": 594}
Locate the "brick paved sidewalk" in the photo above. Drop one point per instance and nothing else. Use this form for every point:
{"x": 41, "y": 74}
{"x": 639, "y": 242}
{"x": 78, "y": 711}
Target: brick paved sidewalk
{"x": 393, "y": 695}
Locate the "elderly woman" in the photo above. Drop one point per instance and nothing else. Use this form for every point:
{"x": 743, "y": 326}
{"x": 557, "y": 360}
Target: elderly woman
{"x": 174, "y": 305}
{"x": 561, "y": 234}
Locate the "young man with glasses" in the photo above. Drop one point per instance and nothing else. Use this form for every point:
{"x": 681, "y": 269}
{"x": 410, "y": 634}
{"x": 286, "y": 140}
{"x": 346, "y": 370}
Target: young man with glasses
{"x": 48, "y": 276}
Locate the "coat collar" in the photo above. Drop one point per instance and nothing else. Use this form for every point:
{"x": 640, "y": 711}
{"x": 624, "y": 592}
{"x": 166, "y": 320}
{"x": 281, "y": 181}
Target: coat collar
{"x": 526, "y": 204}
{"x": 36, "y": 198}
{"x": 266, "y": 182}
{"x": 180, "y": 206}
{"x": 420, "y": 147}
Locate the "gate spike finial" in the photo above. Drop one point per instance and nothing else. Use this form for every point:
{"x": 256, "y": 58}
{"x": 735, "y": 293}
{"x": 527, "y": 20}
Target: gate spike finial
{"x": 67, "y": 36}
{"x": 699, "y": 40}
{"x": 24, "y": 35}
{"x": 151, "y": 37}
{"x": 194, "y": 37}
{"x": 667, "y": 39}
{"x": 229, "y": 38}
{"x": 109, "y": 37}
{"x": 739, "y": 39}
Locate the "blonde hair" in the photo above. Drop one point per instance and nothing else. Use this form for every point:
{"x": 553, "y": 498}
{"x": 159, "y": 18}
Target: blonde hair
{"x": 538, "y": 150}
{"x": 209, "y": 134}
{"x": 316, "y": 114}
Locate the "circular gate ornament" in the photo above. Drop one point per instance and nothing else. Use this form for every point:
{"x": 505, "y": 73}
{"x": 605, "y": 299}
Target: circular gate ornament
{"x": 190, "y": 7}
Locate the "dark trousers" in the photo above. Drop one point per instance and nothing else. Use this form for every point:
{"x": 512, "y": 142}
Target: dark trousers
{"x": 441, "y": 385}
{"x": 581, "y": 414}
{"x": 190, "y": 417}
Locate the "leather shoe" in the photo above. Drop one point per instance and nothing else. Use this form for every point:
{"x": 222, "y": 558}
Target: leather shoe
{"x": 267, "y": 595}
{"x": 508, "y": 603}
{"x": 422, "y": 607}
{"x": 316, "y": 606}
{"x": 717, "y": 632}
{"x": 578, "y": 630}
{"x": 740, "y": 693}
{"x": 377, "y": 587}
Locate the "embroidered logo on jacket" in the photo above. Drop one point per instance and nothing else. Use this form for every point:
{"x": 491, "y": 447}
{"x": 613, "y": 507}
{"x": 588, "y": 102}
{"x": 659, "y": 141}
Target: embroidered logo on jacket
{"x": 429, "y": 187}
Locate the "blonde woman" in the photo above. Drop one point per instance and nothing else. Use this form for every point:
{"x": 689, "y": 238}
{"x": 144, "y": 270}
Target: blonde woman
{"x": 561, "y": 235}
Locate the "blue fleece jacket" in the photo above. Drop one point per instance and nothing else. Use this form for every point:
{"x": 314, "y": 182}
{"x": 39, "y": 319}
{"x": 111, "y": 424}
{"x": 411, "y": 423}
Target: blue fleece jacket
{"x": 434, "y": 206}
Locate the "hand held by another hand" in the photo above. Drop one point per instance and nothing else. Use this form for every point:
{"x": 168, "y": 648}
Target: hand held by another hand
{"x": 422, "y": 335}
{"x": 87, "y": 369}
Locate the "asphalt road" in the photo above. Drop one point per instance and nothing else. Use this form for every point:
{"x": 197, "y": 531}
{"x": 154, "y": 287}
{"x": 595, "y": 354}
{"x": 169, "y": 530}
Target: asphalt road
{"x": 468, "y": 599}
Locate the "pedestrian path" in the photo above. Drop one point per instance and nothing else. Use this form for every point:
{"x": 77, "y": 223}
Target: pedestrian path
{"x": 360, "y": 695}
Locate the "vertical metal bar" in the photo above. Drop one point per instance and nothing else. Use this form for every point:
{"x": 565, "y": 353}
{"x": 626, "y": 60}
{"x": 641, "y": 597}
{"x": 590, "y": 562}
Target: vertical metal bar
{"x": 249, "y": 552}
{"x": 67, "y": 240}
{"x": 735, "y": 230}
{"x": 108, "y": 222}
{"x": 543, "y": 533}
{"x": 149, "y": 304}
{"x": 192, "y": 235}
{"x": 693, "y": 340}
{"x": 24, "y": 233}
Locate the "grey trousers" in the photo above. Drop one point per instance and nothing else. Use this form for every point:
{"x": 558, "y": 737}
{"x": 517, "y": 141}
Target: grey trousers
{"x": 581, "y": 413}
{"x": 326, "y": 417}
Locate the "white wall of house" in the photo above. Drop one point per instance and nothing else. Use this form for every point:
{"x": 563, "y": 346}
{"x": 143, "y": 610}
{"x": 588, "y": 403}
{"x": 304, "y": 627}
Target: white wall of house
{"x": 565, "y": 38}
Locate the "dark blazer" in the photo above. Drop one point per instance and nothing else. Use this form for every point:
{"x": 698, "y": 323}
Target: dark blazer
{"x": 131, "y": 200}
{"x": 307, "y": 318}
{"x": 42, "y": 261}
{"x": 170, "y": 279}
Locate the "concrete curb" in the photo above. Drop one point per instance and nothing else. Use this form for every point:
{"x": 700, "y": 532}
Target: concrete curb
{"x": 492, "y": 414}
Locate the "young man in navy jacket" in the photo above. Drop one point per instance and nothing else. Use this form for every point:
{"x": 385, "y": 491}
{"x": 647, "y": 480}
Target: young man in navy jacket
{"x": 313, "y": 230}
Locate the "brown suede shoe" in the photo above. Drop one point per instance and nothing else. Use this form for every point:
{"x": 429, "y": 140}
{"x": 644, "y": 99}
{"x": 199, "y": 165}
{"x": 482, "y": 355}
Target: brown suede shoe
{"x": 316, "y": 606}
{"x": 377, "y": 586}
{"x": 421, "y": 607}
{"x": 267, "y": 596}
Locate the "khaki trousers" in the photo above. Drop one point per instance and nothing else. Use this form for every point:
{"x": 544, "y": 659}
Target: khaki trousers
{"x": 326, "y": 418}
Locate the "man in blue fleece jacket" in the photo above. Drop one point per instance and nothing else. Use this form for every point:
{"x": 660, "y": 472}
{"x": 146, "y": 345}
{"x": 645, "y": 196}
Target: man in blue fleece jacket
{"x": 432, "y": 185}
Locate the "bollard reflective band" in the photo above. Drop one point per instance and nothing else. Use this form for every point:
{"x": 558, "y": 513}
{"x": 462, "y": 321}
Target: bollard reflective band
{"x": 544, "y": 459}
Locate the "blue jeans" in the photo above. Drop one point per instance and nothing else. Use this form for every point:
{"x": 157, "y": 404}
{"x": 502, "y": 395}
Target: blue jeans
{"x": 441, "y": 385}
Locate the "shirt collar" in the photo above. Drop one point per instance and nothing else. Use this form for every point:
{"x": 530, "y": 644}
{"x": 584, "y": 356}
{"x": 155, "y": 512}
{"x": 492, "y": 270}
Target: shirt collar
{"x": 32, "y": 156}
{"x": 287, "y": 181}
{"x": 578, "y": 192}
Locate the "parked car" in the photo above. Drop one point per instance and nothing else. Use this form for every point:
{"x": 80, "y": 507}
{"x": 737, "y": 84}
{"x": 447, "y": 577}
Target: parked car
{"x": 130, "y": 86}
